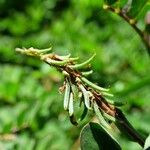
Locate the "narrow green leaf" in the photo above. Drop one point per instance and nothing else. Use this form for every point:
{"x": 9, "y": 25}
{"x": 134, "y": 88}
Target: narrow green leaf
{"x": 136, "y": 7}
{"x": 122, "y": 3}
{"x": 94, "y": 137}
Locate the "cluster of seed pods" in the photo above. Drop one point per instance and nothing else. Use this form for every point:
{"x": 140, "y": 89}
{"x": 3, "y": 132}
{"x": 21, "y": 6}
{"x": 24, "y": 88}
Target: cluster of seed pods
{"x": 94, "y": 97}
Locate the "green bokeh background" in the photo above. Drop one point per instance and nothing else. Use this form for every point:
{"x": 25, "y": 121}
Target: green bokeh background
{"x": 31, "y": 108}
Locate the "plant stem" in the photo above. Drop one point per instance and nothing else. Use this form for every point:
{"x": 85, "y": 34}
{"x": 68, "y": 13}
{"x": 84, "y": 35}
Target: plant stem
{"x": 133, "y": 25}
{"x": 125, "y": 127}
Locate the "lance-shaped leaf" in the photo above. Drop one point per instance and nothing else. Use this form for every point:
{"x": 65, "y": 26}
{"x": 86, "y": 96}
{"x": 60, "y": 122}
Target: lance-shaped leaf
{"x": 94, "y": 137}
{"x": 85, "y": 95}
{"x": 67, "y": 95}
{"x": 136, "y": 7}
{"x": 93, "y": 85}
{"x": 80, "y": 66}
{"x": 127, "y": 129}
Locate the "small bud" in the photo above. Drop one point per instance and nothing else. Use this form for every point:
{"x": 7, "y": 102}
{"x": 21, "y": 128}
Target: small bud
{"x": 105, "y": 6}
{"x": 132, "y": 21}
{"x": 117, "y": 10}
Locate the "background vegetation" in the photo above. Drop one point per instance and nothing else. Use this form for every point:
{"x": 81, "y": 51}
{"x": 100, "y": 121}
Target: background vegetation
{"x": 31, "y": 109}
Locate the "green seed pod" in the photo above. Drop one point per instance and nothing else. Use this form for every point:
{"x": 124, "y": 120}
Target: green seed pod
{"x": 73, "y": 59}
{"x": 82, "y": 65}
{"x": 87, "y": 73}
{"x": 116, "y": 103}
{"x": 96, "y": 87}
{"x": 107, "y": 94}
{"x": 55, "y": 62}
{"x": 67, "y": 95}
{"x": 64, "y": 57}
{"x": 71, "y": 105}
{"x": 85, "y": 95}
{"x": 100, "y": 117}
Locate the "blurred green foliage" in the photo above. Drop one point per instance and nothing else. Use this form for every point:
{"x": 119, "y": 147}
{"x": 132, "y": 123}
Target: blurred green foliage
{"x": 31, "y": 110}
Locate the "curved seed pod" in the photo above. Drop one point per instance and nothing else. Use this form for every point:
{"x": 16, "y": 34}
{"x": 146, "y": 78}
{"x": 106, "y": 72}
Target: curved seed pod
{"x": 67, "y": 95}
{"x": 55, "y": 62}
{"x": 116, "y": 103}
{"x": 80, "y": 66}
{"x": 43, "y": 50}
{"x": 85, "y": 95}
{"x": 71, "y": 104}
{"x": 67, "y": 58}
{"x": 100, "y": 117}
{"x": 93, "y": 85}
{"x": 107, "y": 94}
{"x": 64, "y": 57}
{"x": 73, "y": 59}
{"x": 87, "y": 73}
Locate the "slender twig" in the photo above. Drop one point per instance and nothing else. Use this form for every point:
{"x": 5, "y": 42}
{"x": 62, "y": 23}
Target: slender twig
{"x": 131, "y": 22}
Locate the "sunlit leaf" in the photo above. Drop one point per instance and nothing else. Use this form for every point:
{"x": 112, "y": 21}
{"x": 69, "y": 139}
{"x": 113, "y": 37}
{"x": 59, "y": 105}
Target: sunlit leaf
{"x": 94, "y": 137}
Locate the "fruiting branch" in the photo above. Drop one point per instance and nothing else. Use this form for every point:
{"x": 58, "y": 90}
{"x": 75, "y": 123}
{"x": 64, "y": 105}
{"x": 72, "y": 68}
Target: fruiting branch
{"x": 93, "y": 97}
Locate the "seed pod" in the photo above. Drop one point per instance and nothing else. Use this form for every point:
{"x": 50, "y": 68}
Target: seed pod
{"x": 100, "y": 117}
{"x": 73, "y": 59}
{"x": 67, "y": 57}
{"x": 107, "y": 94}
{"x": 55, "y": 62}
{"x": 71, "y": 105}
{"x": 93, "y": 85}
{"x": 87, "y": 73}
{"x": 67, "y": 95}
{"x": 82, "y": 65}
{"x": 64, "y": 57}
{"x": 116, "y": 103}
{"x": 85, "y": 95}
